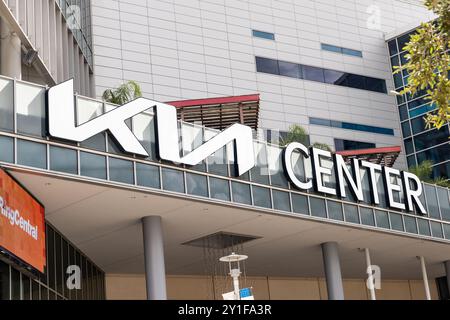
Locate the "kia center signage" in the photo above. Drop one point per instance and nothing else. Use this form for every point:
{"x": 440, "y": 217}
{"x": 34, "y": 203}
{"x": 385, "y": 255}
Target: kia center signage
{"x": 61, "y": 121}
{"x": 22, "y": 223}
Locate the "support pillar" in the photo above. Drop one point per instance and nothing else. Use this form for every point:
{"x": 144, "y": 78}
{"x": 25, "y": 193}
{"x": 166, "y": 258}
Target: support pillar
{"x": 370, "y": 274}
{"x": 332, "y": 268}
{"x": 10, "y": 52}
{"x": 425, "y": 278}
{"x": 155, "y": 274}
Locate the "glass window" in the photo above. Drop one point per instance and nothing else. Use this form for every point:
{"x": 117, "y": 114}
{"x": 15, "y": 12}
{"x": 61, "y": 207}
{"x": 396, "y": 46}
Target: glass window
{"x": 7, "y": 149}
{"x": 376, "y": 85}
{"x": 446, "y": 231}
{"x": 351, "y": 52}
{"x": 329, "y": 47}
{"x": 300, "y": 203}
{"x": 192, "y": 138}
{"x": 172, "y": 180}
{"x": 63, "y": 160}
{"x": 406, "y": 129}
{"x": 34, "y": 290}
{"x": 58, "y": 264}
{"x": 86, "y": 111}
{"x": 424, "y": 227}
{"x": 422, "y": 110}
{"x": 432, "y": 202}
{"x": 431, "y": 138}
{"x": 26, "y": 288}
{"x": 30, "y": 104}
{"x": 92, "y": 165}
{"x": 335, "y": 211}
{"x": 382, "y": 219}
{"x": 313, "y": 73}
{"x": 259, "y": 173}
{"x": 261, "y": 197}
{"x": 6, "y": 105}
{"x": 351, "y": 213}
{"x": 335, "y": 77}
{"x": 32, "y": 154}
{"x": 356, "y": 81}
{"x": 411, "y": 161}
{"x": 418, "y": 125}
{"x": 144, "y": 130}
{"x": 281, "y": 200}
{"x": 264, "y": 35}
{"x": 196, "y": 185}
{"x": 275, "y": 163}
{"x": 410, "y": 224}
{"x": 436, "y": 229}
{"x": 367, "y": 217}
{"x": 147, "y": 176}
{"x": 392, "y": 47}
{"x": 437, "y": 154}
{"x": 444, "y": 203}
{"x": 396, "y": 221}
{"x": 219, "y": 189}
{"x": 267, "y": 65}
{"x": 289, "y": 69}
{"x": 318, "y": 207}
{"x": 217, "y": 162}
{"x": 409, "y": 146}
{"x": 121, "y": 170}
{"x": 241, "y": 192}
{"x": 403, "y": 110}
{"x": 4, "y": 281}
{"x": 341, "y": 145}
{"x": 15, "y": 284}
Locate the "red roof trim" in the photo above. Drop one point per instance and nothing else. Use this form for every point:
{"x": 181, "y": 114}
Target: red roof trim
{"x": 370, "y": 151}
{"x": 219, "y": 100}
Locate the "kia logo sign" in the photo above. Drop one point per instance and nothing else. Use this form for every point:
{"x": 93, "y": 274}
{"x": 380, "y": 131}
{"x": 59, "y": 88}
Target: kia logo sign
{"x": 61, "y": 121}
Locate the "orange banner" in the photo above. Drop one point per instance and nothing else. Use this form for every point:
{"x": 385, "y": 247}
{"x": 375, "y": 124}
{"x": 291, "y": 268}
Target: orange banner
{"x": 22, "y": 223}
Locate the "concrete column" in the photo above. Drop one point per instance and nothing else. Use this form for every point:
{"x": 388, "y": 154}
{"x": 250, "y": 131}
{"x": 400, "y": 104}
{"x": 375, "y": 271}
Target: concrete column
{"x": 425, "y": 278}
{"x": 370, "y": 274}
{"x": 155, "y": 274}
{"x": 10, "y": 52}
{"x": 335, "y": 288}
{"x": 447, "y": 272}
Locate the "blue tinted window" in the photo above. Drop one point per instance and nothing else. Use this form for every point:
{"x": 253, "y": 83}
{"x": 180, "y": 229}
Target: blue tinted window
{"x": 377, "y": 85}
{"x": 63, "y": 160}
{"x": 335, "y": 77}
{"x": 422, "y": 110}
{"x": 300, "y": 203}
{"x": 264, "y": 35}
{"x": 289, "y": 69}
{"x": 313, "y": 74}
{"x": 393, "y": 47}
{"x": 32, "y": 154}
{"x": 431, "y": 138}
{"x": 346, "y": 51}
{"x": 329, "y": 47}
{"x": 147, "y": 176}
{"x": 351, "y": 126}
{"x": 356, "y": 81}
{"x": 409, "y": 147}
{"x": 406, "y": 130}
{"x": 267, "y": 65}
{"x": 7, "y": 149}
{"x": 351, "y": 52}
{"x": 437, "y": 154}
{"x": 219, "y": 189}
{"x": 121, "y": 170}
{"x": 92, "y": 165}
{"x": 403, "y": 110}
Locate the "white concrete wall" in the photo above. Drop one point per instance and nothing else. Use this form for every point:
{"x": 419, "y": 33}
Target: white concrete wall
{"x": 179, "y": 49}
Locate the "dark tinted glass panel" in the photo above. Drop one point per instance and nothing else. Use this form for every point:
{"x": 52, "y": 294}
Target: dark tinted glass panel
{"x": 418, "y": 125}
{"x": 406, "y": 130}
{"x": 432, "y": 204}
{"x": 147, "y": 176}
{"x": 26, "y": 288}
{"x": 395, "y": 61}
{"x": 351, "y": 213}
{"x": 58, "y": 264}
{"x": 281, "y": 200}
{"x": 367, "y": 216}
{"x": 63, "y": 160}
{"x": 92, "y": 165}
{"x": 7, "y": 149}
{"x": 409, "y": 146}
{"x": 335, "y": 77}
{"x": 32, "y": 154}
{"x": 446, "y": 231}
{"x": 442, "y": 170}
{"x": 97, "y": 142}
{"x": 267, "y": 65}
{"x": 421, "y": 110}
{"x": 313, "y": 74}
{"x": 15, "y": 284}
{"x": 403, "y": 110}
{"x": 335, "y": 210}
{"x": 444, "y": 203}
{"x": 342, "y": 145}
{"x": 34, "y": 290}
{"x": 241, "y": 192}
{"x": 300, "y": 203}
{"x": 377, "y": 85}
{"x": 410, "y": 224}
{"x": 329, "y": 47}
{"x": 392, "y": 47}
{"x": 196, "y": 185}
{"x": 219, "y": 189}
{"x": 436, "y": 229}
{"x": 289, "y": 69}
{"x": 356, "y": 81}
{"x": 4, "y": 281}
{"x": 172, "y": 180}
{"x": 438, "y": 154}
{"x": 261, "y": 197}
{"x": 411, "y": 161}
{"x": 382, "y": 219}
{"x": 121, "y": 170}
{"x": 318, "y": 207}
{"x": 424, "y": 228}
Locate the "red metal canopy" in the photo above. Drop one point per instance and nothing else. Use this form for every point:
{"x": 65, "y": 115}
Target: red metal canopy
{"x": 385, "y": 156}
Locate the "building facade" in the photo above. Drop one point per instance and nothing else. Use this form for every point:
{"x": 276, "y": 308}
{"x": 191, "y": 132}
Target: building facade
{"x": 421, "y": 143}
{"x": 146, "y": 197}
